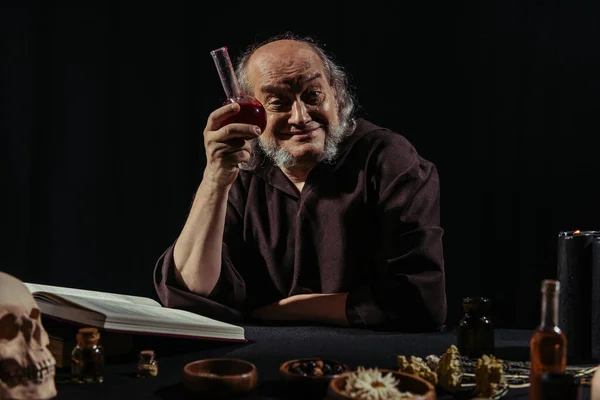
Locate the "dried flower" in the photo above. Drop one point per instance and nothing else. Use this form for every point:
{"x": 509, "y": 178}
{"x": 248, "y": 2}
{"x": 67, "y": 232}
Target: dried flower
{"x": 489, "y": 376}
{"x": 370, "y": 384}
{"x": 432, "y": 362}
{"x": 416, "y": 366}
{"x": 450, "y": 370}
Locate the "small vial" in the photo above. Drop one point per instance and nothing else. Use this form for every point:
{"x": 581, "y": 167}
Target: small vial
{"x": 87, "y": 358}
{"x": 147, "y": 364}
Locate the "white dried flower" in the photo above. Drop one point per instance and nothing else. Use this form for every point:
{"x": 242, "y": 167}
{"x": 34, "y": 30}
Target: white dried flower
{"x": 370, "y": 384}
{"x": 432, "y": 362}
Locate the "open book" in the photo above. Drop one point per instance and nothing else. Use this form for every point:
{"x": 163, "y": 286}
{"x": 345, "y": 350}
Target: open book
{"x": 128, "y": 314}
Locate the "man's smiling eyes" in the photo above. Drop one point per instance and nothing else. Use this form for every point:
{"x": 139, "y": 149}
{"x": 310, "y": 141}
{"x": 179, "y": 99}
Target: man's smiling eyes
{"x": 310, "y": 97}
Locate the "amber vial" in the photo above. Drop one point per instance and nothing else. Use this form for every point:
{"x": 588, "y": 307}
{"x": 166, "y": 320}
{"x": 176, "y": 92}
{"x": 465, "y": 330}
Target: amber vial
{"x": 87, "y": 358}
{"x": 475, "y": 330}
{"x": 548, "y": 344}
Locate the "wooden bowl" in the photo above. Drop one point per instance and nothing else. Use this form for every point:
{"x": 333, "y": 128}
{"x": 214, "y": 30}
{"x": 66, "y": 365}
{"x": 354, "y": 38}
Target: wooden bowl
{"x": 225, "y": 378}
{"x": 406, "y": 383}
{"x": 308, "y": 386}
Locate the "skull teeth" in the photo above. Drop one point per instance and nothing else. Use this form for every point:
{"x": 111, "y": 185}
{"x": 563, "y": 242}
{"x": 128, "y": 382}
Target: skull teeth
{"x": 33, "y": 373}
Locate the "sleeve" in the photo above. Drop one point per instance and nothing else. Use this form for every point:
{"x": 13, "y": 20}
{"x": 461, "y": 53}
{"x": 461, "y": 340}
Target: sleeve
{"x": 408, "y": 290}
{"x": 227, "y": 299}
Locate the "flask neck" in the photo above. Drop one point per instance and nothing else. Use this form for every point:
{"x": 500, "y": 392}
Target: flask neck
{"x": 549, "y": 310}
{"x": 226, "y": 72}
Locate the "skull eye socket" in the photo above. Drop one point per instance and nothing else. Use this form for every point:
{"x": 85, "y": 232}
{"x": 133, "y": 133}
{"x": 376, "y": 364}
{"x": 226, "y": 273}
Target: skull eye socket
{"x": 8, "y": 327}
{"x": 35, "y": 313}
{"x": 37, "y": 332}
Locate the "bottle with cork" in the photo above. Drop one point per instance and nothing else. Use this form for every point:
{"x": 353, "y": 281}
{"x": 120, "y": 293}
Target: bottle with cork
{"x": 548, "y": 344}
{"x": 147, "y": 364}
{"x": 87, "y": 358}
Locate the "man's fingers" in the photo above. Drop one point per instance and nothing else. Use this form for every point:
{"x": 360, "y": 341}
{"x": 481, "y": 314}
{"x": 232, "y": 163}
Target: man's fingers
{"x": 236, "y": 143}
{"x": 217, "y": 117}
{"x": 243, "y": 145}
{"x": 236, "y": 157}
{"x": 231, "y": 146}
{"x": 236, "y": 131}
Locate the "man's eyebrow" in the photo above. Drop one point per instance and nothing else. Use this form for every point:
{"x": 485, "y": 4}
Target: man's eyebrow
{"x": 312, "y": 77}
{"x": 267, "y": 88}
{"x": 270, "y": 88}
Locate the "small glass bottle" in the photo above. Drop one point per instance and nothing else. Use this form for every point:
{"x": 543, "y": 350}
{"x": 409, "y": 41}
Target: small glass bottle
{"x": 147, "y": 364}
{"x": 87, "y": 358}
{"x": 251, "y": 110}
{"x": 548, "y": 344}
{"x": 476, "y": 330}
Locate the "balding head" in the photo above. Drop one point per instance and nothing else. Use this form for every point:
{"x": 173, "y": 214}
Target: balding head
{"x": 292, "y": 60}
{"x": 283, "y": 61}
{"x": 283, "y": 50}
{"x": 282, "y": 46}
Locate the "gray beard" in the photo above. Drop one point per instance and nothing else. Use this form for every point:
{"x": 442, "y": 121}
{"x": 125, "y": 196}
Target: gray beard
{"x": 282, "y": 158}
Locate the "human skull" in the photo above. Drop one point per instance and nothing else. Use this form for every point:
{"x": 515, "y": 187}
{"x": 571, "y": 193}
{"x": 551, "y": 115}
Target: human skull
{"x": 27, "y": 367}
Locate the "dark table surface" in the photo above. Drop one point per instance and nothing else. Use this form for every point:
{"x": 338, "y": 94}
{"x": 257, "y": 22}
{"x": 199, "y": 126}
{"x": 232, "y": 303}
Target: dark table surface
{"x": 268, "y": 347}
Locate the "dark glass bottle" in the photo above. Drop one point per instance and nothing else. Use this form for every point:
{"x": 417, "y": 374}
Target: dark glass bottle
{"x": 87, "y": 358}
{"x": 475, "y": 330}
{"x": 548, "y": 344}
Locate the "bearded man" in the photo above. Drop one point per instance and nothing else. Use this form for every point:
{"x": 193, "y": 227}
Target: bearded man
{"x": 322, "y": 218}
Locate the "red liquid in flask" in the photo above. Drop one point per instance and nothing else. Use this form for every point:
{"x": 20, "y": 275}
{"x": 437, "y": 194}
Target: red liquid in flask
{"x": 251, "y": 112}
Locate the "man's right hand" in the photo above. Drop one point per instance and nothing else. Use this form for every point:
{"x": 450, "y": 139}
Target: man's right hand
{"x": 226, "y": 146}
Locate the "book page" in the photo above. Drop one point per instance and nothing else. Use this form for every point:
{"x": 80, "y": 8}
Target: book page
{"x": 80, "y": 293}
{"x": 146, "y": 317}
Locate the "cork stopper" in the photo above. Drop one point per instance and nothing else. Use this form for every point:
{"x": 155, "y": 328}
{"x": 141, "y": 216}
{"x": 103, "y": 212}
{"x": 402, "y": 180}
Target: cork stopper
{"x": 87, "y": 337}
{"x": 147, "y": 356}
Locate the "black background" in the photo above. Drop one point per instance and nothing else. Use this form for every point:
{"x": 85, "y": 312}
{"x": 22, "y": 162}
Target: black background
{"x": 103, "y": 106}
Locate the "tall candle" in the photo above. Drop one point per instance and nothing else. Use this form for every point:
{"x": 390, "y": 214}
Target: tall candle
{"x": 576, "y": 276}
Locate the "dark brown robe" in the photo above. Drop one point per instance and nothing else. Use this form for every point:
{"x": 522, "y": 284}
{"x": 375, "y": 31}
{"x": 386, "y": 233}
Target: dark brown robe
{"x": 368, "y": 224}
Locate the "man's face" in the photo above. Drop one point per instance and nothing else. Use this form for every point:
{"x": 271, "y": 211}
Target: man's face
{"x": 288, "y": 78}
